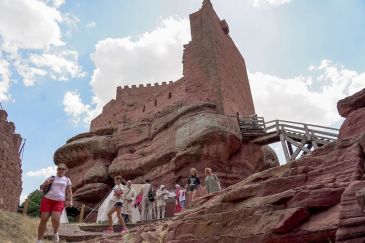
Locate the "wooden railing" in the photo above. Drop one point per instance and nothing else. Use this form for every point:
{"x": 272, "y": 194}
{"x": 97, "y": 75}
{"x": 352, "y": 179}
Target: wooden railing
{"x": 308, "y": 130}
{"x": 297, "y": 139}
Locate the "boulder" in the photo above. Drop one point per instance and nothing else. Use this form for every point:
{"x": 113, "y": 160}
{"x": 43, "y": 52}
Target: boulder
{"x": 352, "y": 103}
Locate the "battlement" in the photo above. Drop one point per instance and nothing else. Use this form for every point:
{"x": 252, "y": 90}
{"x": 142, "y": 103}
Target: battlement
{"x": 141, "y": 88}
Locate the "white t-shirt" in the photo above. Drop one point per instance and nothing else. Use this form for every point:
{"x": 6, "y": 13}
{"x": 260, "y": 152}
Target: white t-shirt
{"x": 182, "y": 195}
{"x": 58, "y": 188}
{"x": 116, "y": 188}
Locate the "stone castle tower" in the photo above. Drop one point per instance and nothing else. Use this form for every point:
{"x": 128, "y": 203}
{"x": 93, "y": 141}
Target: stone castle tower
{"x": 161, "y": 131}
{"x": 214, "y": 72}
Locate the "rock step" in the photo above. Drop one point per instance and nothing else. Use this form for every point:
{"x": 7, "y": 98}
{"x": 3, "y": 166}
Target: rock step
{"x": 85, "y": 232}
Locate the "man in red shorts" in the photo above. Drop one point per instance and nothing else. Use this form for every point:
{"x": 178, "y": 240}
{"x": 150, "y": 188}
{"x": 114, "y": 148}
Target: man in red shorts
{"x": 53, "y": 202}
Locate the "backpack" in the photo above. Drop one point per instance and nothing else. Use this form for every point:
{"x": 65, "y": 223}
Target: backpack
{"x": 151, "y": 195}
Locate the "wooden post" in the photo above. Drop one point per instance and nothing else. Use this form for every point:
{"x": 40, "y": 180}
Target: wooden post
{"x": 82, "y": 213}
{"x": 26, "y": 205}
{"x": 282, "y": 140}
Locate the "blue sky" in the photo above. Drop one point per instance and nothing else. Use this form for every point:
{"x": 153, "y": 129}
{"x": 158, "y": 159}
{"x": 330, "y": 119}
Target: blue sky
{"x": 61, "y": 60}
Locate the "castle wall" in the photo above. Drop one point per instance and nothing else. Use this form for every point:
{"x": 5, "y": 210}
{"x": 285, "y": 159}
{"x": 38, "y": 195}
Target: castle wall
{"x": 10, "y": 164}
{"x": 136, "y": 103}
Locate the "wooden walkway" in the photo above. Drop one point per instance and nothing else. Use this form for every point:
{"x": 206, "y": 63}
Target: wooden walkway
{"x": 297, "y": 139}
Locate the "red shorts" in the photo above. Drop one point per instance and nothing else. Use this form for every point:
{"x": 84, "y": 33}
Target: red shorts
{"x": 49, "y": 205}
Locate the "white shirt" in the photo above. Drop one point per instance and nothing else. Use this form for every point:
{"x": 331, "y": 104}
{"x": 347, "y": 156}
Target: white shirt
{"x": 116, "y": 188}
{"x": 58, "y": 188}
{"x": 182, "y": 195}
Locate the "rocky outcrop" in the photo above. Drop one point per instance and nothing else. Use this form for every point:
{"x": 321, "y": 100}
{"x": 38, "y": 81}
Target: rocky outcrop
{"x": 10, "y": 164}
{"x": 353, "y": 109}
{"x": 351, "y": 103}
{"x": 165, "y": 153}
{"x": 313, "y": 199}
{"x": 309, "y": 200}
{"x": 161, "y": 131}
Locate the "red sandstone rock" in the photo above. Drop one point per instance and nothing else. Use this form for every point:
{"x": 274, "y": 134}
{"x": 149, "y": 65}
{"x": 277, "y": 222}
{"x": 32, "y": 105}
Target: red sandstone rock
{"x": 351, "y": 103}
{"x": 354, "y": 125}
{"x": 308, "y": 200}
{"x": 10, "y": 164}
{"x": 312, "y": 199}
{"x": 161, "y": 131}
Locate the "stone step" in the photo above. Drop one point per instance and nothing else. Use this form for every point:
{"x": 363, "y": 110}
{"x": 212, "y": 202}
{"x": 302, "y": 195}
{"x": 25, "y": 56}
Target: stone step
{"x": 85, "y": 232}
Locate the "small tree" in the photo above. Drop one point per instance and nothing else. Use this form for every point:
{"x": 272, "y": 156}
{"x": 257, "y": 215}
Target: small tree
{"x": 34, "y": 202}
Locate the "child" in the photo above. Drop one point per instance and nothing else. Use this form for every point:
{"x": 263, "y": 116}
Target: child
{"x": 182, "y": 198}
{"x": 117, "y": 200}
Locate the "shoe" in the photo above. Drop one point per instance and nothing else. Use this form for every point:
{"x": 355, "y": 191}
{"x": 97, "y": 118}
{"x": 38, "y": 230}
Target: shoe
{"x": 56, "y": 238}
{"x": 124, "y": 230}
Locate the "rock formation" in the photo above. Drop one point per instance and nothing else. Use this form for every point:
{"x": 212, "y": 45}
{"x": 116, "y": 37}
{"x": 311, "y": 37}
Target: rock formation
{"x": 160, "y": 131}
{"x": 10, "y": 164}
{"x": 353, "y": 109}
{"x": 313, "y": 199}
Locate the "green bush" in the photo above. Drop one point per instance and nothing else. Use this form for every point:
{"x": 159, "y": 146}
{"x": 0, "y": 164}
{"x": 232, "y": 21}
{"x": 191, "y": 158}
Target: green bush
{"x": 34, "y": 202}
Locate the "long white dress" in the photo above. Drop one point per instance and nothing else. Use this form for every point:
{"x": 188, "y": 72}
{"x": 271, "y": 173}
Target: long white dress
{"x": 108, "y": 204}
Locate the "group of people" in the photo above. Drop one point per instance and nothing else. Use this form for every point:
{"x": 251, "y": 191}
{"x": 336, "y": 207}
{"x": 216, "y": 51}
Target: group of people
{"x": 57, "y": 194}
{"x": 153, "y": 202}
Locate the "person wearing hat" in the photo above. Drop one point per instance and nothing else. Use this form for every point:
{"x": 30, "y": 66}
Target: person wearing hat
{"x": 162, "y": 195}
{"x": 129, "y": 196}
{"x": 57, "y": 194}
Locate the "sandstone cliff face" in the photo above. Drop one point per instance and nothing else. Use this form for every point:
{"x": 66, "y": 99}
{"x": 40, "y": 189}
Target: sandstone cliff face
{"x": 10, "y": 164}
{"x": 353, "y": 109}
{"x": 161, "y": 131}
{"x": 163, "y": 150}
{"x": 313, "y": 199}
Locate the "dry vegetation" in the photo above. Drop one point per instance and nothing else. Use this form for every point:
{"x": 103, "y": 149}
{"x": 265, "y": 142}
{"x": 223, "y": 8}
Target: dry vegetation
{"x": 16, "y": 228}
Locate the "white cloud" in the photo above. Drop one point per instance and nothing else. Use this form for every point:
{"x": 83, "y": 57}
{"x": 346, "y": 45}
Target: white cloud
{"x": 265, "y": 3}
{"x": 158, "y": 53}
{"x": 4, "y": 80}
{"x": 44, "y": 172}
{"x": 31, "y": 43}
{"x": 22, "y": 198}
{"x": 74, "y": 107}
{"x": 91, "y": 25}
{"x": 118, "y": 62}
{"x": 310, "y": 98}
{"x": 29, "y": 24}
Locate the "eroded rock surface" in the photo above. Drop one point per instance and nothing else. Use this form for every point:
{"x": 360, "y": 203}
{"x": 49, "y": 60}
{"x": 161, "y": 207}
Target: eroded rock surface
{"x": 353, "y": 108}
{"x": 10, "y": 164}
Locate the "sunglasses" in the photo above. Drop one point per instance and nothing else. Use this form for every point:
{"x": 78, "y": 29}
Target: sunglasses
{"x": 61, "y": 169}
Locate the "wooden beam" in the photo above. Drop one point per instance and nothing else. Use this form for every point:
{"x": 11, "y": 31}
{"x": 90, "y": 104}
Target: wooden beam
{"x": 26, "y": 205}
{"x": 297, "y": 144}
{"x": 282, "y": 140}
{"x": 82, "y": 211}
{"x": 297, "y": 151}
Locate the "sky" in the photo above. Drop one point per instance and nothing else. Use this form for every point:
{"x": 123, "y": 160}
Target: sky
{"x": 61, "y": 60}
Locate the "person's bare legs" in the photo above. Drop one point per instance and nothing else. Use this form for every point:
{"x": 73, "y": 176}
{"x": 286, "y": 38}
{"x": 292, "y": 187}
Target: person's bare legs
{"x": 189, "y": 197}
{"x": 43, "y": 224}
{"x": 194, "y": 194}
{"x": 110, "y": 218}
{"x": 120, "y": 218}
{"x": 55, "y": 218}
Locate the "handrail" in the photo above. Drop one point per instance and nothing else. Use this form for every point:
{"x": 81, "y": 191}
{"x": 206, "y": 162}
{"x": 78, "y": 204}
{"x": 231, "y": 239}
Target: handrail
{"x": 274, "y": 121}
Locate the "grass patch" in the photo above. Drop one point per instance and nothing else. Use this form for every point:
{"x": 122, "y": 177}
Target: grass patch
{"x": 16, "y": 228}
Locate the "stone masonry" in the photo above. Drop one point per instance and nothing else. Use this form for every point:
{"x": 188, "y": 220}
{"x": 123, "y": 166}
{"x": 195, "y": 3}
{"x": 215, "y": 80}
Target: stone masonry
{"x": 10, "y": 164}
